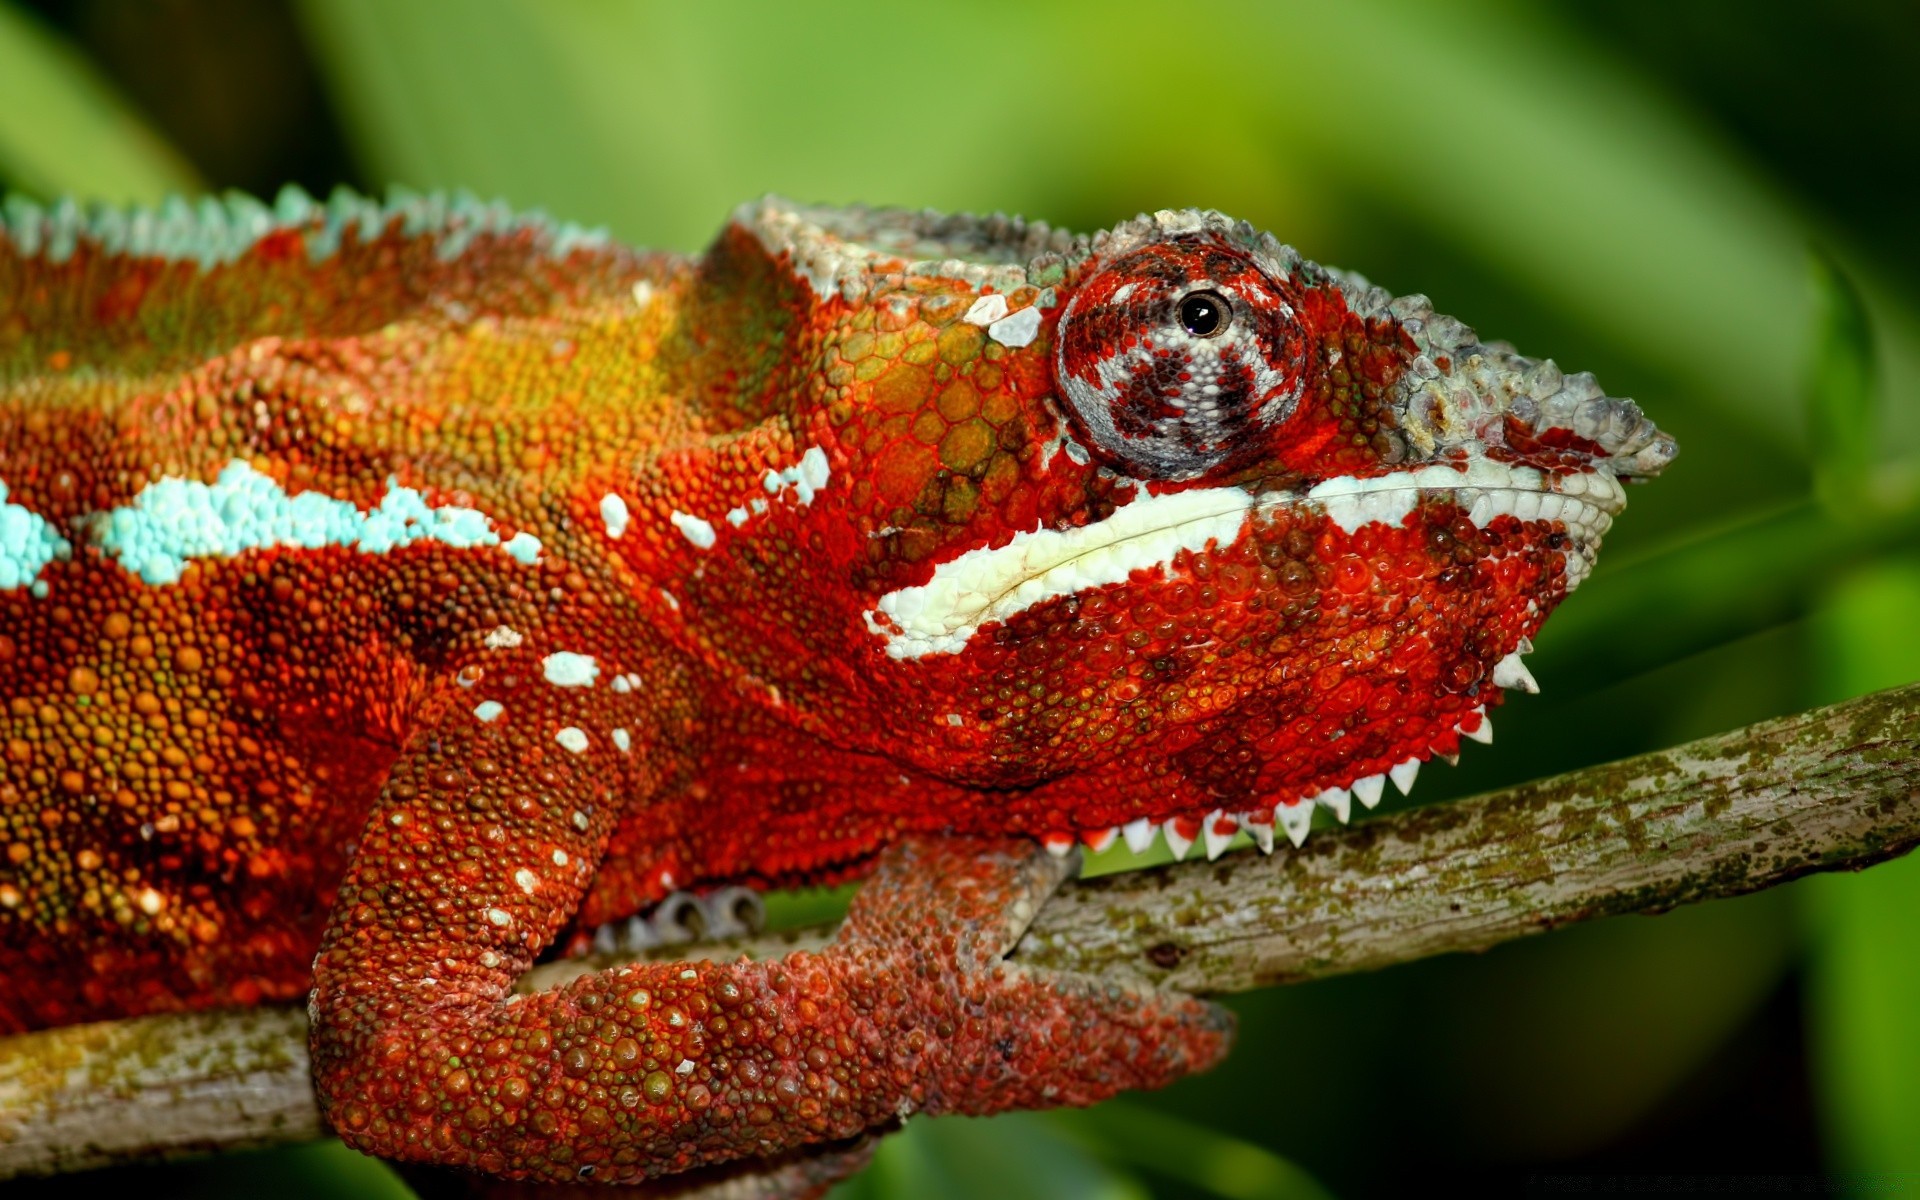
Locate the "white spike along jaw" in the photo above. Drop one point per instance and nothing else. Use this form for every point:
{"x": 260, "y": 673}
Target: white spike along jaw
{"x": 1404, "y": 774}
{"x": 1260, "y": 827}
{"x": 1338, "y": 801}
{"x": 1367, "y": 791}
{"x": 1100, "y": 840}
{"x": 1058, "y": 844}
{"x": 1218, "y": 828}
{"x": 1480, "y": 730}
{"x": 1180, "y": 833}
{"x": 1510, "y": 672}
{"x": 1139, "y": 835}
{"x": 1296, "y": 818}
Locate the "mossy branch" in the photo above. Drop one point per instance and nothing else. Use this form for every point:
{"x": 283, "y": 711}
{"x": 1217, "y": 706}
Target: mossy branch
{"x": 1835, "y": 788}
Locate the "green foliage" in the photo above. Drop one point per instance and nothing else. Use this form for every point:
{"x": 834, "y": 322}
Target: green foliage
{"x": 1865, "y": 970}
{"x": 1540, "y": 183}
{"x": 1842, "y": 393}
{"x": 62, "y": 128}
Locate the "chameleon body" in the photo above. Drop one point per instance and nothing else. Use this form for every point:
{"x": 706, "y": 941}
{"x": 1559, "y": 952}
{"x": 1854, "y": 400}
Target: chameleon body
{"x": 420, "y": 587}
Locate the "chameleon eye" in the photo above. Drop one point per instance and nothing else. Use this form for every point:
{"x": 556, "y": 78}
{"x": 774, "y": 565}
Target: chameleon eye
{"x": 1174, "y": 361}
{"x": 1205, "y": 314}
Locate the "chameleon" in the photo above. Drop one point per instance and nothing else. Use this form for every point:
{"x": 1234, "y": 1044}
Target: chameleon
{"x": 393, "y": 593}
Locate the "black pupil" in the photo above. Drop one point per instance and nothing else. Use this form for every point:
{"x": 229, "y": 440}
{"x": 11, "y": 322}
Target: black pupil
{"x": 1204, "y": 313}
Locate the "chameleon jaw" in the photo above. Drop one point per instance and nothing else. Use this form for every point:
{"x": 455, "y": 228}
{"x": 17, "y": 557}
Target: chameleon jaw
{"x": 991, "y": 584}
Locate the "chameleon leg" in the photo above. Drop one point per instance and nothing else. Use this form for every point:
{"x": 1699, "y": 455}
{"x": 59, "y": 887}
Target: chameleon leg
{"x": 467, "y": 869}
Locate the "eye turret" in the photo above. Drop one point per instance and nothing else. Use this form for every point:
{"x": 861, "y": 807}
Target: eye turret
{"x": 1177, "y": 359}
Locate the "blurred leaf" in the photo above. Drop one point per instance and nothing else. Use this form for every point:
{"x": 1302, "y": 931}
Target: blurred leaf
{"x": 801, "y": 907}
{"x": 1203, "y": 1158}
{"x": 1842, "y": 396}
{"x": 1864, "y": 993}
{"x": 1719, "y": 585}
{"x": 1013, "y": 1157}
{"x": 324, "y": 1170}
{"x": 63, "y": 129}
{"x": 1559, "y": 169}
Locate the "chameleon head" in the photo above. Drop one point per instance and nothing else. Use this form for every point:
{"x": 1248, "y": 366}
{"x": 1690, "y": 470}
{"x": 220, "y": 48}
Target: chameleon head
{"x": 1170, "y": 524}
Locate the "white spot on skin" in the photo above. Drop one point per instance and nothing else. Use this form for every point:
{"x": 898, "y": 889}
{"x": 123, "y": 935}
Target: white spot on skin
{"x": 500, "y": 917}
{"x": 502, "y": 637}
{"x": 736, "y": 517}
{"x": 620, "y": 685}
{"x": 573, "y": 739}
{"x": 176, "y": 520}
{"x": 613, "y": 511}
{"x": 642, "y": 296}
{"x": 524, "y": 546}
{"x": 567, "y": 669}
{"x": 526, "y": 880}
{"x": 697, "y": 531}
{"x": 559, "y": 858}
{"x": 622, "y": 740}
{"x": 805, "y": 477}
{"x": 27, "y": 543}
{"x": 488, "y": 710}
{"x": 993, "y": 584}
{"x": 150, "y": 902}
{"x": 986, "y": 310}
{"x": 580, "y": 820}
{"x": 1017, "y": 330}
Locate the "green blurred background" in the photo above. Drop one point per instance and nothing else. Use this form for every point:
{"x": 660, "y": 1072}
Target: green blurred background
{"x": 1709, "y": 204}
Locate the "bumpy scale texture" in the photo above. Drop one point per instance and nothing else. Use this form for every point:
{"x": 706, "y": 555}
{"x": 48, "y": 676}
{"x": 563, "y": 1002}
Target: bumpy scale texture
{"x": 424, "y": 587}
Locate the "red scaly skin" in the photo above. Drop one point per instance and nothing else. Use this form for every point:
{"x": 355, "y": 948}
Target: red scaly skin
{"x": 425, "y": 588}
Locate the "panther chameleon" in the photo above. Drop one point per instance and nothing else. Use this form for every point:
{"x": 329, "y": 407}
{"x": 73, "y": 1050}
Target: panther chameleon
{"x": 391, "y": 594}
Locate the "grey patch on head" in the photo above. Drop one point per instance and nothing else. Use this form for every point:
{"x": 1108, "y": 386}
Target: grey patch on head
{"x": 1444, "y": 407}
{"x": 839, "y": 250}
{"x": 1462, "y": 390}
{"x": 1275, "y": 257}
{"x": 214, "y": 231}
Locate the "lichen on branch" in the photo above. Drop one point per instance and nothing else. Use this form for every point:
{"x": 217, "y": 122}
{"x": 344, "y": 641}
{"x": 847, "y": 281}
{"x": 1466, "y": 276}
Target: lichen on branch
{"x": 1831, "y": 789}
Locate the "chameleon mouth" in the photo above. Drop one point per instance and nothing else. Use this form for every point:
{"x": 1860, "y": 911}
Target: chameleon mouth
{"x": 990, "y": 584}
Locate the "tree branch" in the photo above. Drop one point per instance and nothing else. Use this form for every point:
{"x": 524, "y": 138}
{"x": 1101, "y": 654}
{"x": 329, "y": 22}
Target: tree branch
{"x": 1836, "y": 788}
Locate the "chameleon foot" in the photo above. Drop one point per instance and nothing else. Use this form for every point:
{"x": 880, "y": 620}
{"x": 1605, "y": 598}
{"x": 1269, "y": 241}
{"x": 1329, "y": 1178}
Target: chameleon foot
{"x": 983, "y": 1034}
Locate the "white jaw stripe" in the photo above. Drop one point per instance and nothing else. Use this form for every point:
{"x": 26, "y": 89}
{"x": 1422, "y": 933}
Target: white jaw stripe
{"x": 988, "y": 584}
{"x": 1586, "y": 502}
{"x": 992, "y": 584}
